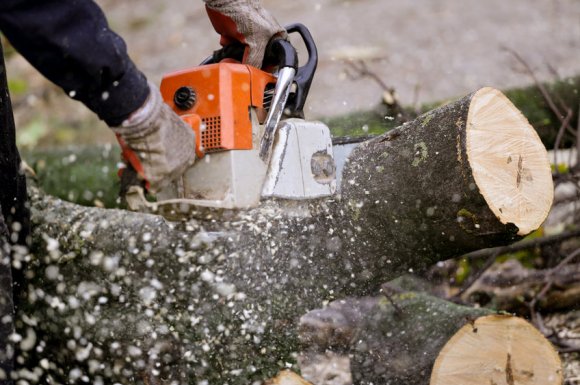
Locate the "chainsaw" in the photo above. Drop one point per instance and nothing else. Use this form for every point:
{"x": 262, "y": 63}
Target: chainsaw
{"x": 252, "y": 141}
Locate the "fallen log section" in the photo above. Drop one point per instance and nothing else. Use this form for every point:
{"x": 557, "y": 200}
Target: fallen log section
{"x": 426, "y": 340}
{"x": 410, "y": 337}
{"x": 122, "y": 297}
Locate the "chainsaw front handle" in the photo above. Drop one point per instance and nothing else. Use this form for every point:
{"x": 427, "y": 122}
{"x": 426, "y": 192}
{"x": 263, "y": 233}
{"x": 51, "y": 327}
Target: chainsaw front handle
{"x": 304, "y": 74}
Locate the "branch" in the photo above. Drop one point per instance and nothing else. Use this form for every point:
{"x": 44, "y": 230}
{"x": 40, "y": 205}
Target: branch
{"x": 523, "y": 245}
{"x": 542, "y": 89}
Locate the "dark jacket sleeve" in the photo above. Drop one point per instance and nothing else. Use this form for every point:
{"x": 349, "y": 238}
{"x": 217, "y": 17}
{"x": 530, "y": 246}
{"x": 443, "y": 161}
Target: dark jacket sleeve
{"x": 69, "y": 42}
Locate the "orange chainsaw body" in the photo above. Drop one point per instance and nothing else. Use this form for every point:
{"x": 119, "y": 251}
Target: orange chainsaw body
{"x": 221, "y": 97}
{"x": 250, "y": 131}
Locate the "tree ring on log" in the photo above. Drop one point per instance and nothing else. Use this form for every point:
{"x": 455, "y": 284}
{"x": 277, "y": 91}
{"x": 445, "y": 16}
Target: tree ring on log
{"x": 497, "y": 349}
{"x": 509, "y": 162}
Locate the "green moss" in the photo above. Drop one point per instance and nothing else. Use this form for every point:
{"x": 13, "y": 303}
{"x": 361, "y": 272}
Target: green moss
{"x": 467, "y": 226}
{"x": 421, "y": 153}
{"x": 360, "y": 123}
{"x": 529, "y": 100}
{"x": 463, "y": 271}
{"x": 84, "y": 175}
{"x": 426, "y": 120}
{"x": 466, "y": 213}
{"x": 17, "y": 86}
{"x": 562, "y": 168}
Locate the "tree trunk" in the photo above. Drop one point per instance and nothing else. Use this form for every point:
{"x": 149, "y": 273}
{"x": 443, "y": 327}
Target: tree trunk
{"x": 463, "y": 176}
{"x": 417, "y": 339}
{"x": 125, "y": 297}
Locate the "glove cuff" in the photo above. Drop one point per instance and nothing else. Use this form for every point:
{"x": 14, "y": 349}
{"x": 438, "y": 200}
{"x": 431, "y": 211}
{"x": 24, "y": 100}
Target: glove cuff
{"x": 141, "y": 122}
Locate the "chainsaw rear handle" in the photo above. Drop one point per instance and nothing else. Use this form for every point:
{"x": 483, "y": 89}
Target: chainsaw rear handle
{"x": 282, "y": 54}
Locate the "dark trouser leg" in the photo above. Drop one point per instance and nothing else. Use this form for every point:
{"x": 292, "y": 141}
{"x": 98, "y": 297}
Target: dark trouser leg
{"x": 14, "y": 218}
{"x": 6, "y": 308}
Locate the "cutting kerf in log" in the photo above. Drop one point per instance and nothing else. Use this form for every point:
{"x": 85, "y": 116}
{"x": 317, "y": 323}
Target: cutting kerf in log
{"x": 218, "y": 298}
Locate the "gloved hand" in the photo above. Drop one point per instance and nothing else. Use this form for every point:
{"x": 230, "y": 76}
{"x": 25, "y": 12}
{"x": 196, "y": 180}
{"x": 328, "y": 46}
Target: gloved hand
{"x": 157, "y": 143}
{"x": 246, "y": 22}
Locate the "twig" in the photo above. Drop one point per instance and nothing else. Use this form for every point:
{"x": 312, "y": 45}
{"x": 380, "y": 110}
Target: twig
{"x": 536, "y": 316}
{"x": 559, "y": 137}
{"x": 474, "y": 277}
{"x": 542, "y": 88}
{"x": 523, "y": 245}
{"x": 388, "y": 292}
{"x": 361, "y": 70}
{"x": 550, "y": 279}
{"x": 578, "y": 139}
{"x": 416, "y": 91}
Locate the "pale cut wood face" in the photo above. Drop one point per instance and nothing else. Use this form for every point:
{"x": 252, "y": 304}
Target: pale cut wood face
{"x": 287, "y": 377}
{"x": 510, "y": 163}
{"x": 497, "y": 350}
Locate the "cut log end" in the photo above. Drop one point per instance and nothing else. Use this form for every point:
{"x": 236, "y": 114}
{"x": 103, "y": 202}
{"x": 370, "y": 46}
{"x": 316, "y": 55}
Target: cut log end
{"x": 501, "y": 350}
{"x": 509, "y": 162}
{"x": 287, "y": 377}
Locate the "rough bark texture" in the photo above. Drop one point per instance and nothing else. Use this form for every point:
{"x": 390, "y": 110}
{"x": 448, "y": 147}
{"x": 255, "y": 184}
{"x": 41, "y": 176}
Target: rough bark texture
{"x": 398, "y": 344}
{"x": 413, "y": 188}
{"x": 124, "y": 297}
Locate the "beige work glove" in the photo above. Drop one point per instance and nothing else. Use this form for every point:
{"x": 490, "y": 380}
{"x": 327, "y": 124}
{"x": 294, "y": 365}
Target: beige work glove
{"x": 246, "y": 22}
{"x": 157, "y": 143}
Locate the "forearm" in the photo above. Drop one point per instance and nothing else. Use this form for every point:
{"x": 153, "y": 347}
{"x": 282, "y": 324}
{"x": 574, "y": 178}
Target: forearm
{"x": 70, "y": 43}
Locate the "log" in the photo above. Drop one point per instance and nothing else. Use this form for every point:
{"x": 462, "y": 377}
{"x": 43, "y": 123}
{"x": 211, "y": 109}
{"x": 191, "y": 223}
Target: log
{"x": 335, "y": 326}
{"x": 115, "y": 296}
{"x": 425, "y": 340}
{"x": 499, "y": 349}
{"x": 463, "y": 176}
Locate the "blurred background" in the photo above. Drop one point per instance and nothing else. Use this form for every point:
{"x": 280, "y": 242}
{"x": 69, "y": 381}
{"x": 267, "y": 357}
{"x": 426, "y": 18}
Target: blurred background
{"x": 424, "y": 50}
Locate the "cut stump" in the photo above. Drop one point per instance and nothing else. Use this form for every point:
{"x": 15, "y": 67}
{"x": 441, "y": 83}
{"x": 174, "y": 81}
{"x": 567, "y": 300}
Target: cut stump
{"x": 508, "y": 161}
{"x": 498, "y": 350}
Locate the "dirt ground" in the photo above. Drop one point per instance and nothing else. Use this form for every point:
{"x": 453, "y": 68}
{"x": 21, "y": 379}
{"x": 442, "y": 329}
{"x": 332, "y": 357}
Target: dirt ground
{"x": 426, "y": 49}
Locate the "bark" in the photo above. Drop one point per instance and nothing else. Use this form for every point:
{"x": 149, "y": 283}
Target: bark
{"x": 115, "y": 296}
{"x": 335, "y": 327}
{"x": 399, "y": 344}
